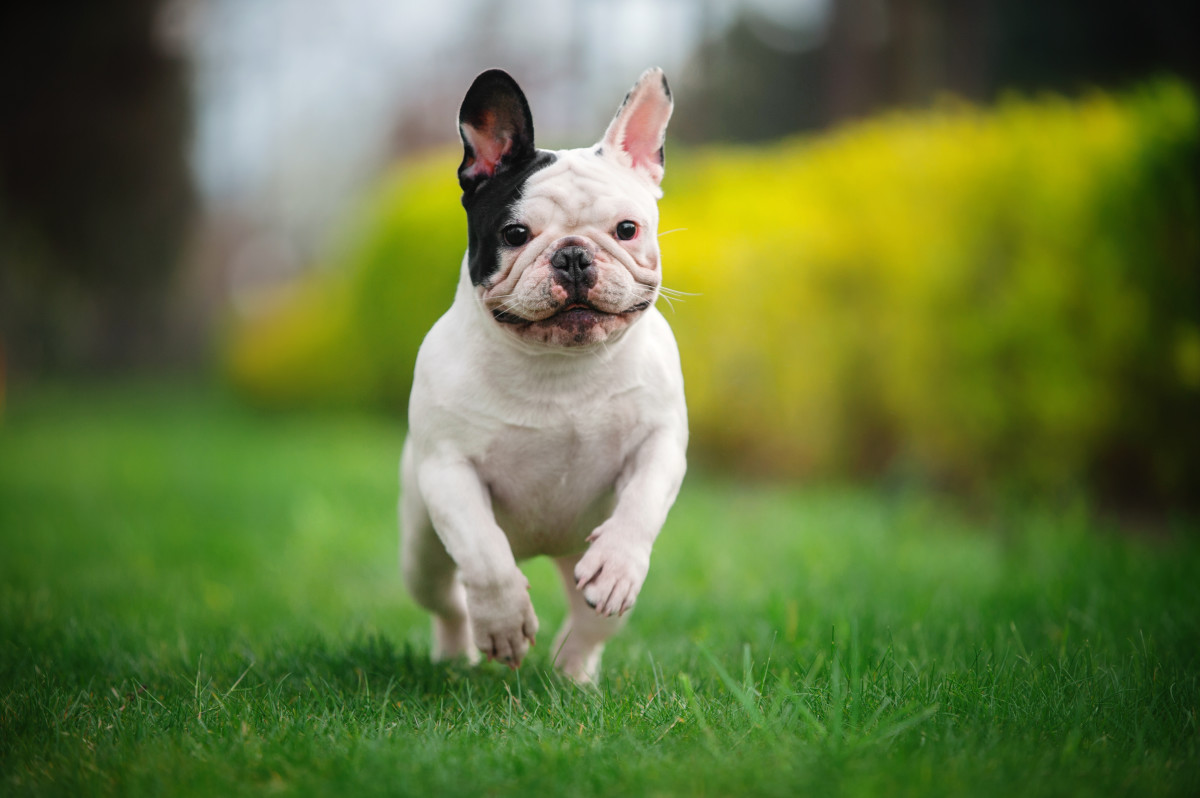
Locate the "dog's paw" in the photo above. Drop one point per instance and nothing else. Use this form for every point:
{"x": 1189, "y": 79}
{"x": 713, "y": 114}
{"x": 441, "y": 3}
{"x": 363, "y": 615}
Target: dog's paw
{"x": 611, "y": 572}
{"x": 503, "y": 622}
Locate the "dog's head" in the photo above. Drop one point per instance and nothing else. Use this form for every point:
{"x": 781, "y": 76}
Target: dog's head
{"x": 562, "y": 245}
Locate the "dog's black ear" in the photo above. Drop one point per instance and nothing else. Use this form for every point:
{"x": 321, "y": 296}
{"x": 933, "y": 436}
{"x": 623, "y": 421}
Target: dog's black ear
{"x": 496, "y": 128}
{"x": 635, "y": 136}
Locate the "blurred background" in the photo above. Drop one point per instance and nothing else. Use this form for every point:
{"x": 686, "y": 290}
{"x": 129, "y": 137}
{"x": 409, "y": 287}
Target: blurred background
{"x": 953, "y": 245}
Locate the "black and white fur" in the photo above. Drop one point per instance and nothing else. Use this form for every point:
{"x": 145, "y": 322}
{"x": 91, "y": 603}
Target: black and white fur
{"x": 547, "y": 414}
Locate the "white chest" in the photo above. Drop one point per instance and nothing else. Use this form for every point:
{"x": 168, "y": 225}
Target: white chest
{"x": 551, "y": 481}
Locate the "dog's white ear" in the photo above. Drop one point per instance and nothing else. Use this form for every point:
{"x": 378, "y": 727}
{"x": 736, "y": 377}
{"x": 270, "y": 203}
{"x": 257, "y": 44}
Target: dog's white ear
{"x": 635, "y": 136}
{"x": 496, "y": 128}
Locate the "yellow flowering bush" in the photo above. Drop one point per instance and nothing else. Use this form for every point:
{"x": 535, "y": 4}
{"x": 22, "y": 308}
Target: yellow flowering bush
{"x": 960, "y": 294}
{"x": 348, "y": 335}
{"x": 970, "y": 293}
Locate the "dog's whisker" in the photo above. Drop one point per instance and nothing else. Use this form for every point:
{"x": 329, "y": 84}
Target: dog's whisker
{"x": 672, "y": 230}
{"x": 676, "y": 293}
{"x": 505, "y": 307}
{"x": 668, "y": 295}
{"x": 646, "y": 294}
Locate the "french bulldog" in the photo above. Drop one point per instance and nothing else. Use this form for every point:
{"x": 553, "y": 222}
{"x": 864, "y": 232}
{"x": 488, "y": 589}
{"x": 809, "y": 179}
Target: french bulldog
{"x": 547, "y": 413}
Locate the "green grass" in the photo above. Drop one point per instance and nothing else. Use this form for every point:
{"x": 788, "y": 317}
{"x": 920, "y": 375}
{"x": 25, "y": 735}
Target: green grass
{"x": 199, "y": 600}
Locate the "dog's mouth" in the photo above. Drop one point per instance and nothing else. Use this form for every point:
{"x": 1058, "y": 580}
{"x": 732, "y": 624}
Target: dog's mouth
{"x": 576, "y": 313}
{"x": 504, "y": 317}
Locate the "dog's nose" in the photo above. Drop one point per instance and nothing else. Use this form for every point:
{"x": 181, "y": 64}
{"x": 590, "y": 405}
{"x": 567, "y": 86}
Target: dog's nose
{"x": 574, "y": 262}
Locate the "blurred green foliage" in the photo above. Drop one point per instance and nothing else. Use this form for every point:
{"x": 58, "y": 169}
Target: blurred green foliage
{"x": 349, "y": 335}
{"x": 972, "y": 297}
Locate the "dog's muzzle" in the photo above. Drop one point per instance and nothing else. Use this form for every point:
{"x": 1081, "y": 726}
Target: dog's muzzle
{"x": 574, "y": 267}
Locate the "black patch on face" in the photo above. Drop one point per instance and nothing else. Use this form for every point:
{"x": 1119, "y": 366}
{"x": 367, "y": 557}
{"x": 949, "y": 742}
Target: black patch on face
{"x": 496, "y": 127}
{"x": 489, "y": 207}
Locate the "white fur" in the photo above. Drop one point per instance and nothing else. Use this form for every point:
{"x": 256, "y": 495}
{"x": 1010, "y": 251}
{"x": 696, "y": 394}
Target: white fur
{"x": 520, "y": 448}
{"x": 582, "y": 195}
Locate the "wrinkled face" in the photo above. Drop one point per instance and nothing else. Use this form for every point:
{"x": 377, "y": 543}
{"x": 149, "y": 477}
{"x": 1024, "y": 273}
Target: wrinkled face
{"x": 573, "y": 256}
{"x": 562, "y": 246}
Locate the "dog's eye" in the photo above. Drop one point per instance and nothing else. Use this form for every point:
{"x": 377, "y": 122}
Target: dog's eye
{"x": 515, "y": 234}
{"x": 626, "y": 230}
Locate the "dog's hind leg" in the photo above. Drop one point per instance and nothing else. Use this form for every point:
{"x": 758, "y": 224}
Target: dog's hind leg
{"x": 431, "y": 574}
{"x": 580, "y": 642}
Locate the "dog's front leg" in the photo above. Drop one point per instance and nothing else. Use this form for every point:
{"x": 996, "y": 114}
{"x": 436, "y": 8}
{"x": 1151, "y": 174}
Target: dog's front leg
{"x": 612, "y": 570}
{"x": 503, "y": 623}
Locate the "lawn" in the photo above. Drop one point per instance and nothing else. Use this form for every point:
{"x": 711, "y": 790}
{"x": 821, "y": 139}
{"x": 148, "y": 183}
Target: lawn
{"x": 198, "y": 599}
